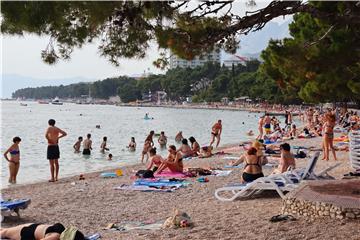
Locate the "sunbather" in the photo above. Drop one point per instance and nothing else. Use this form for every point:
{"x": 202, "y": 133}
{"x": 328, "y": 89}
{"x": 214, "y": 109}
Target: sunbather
{"x": 185, "y": 149}
{"x": 252, "y": 169}
{"x": 173, "y": 162}
{"x": 33, "y": 231}
{"x": 195, "y": 147}
{"x": 206, "y": 152}
{"x": 155, "y": 160}
{"x": 287, "y": 159}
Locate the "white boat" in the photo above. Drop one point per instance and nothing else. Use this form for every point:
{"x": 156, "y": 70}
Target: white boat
{"x": 56, "y": 101}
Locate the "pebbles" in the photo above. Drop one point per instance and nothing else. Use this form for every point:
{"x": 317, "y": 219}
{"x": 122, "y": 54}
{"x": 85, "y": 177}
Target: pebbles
{"x": 314, "y": 210}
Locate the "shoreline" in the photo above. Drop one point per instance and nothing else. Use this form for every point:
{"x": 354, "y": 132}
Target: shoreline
{"x": 92, "y": 204}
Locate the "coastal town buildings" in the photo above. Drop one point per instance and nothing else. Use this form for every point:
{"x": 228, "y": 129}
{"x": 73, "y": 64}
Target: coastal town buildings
{"x": 176, "y": 62}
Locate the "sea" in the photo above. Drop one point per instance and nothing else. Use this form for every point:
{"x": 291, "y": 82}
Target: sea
{"x": 117, "y": 123}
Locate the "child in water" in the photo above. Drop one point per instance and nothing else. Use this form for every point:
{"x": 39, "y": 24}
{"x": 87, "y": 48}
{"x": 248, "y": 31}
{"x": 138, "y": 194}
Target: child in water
{"x": 110, "y": 157}
{"x": 132, "y": 145}
{"x": 78, "y": 144}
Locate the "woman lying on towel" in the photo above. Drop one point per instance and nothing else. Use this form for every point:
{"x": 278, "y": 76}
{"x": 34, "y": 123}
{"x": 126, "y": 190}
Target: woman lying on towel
{"x": 173, "y": 162}
{"x": 252, "y": 169}
{"x": 33, "y": 231}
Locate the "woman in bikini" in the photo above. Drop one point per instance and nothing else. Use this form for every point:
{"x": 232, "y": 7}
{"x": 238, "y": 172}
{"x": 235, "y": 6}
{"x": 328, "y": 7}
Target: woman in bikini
{"x": 155, "y": 160}
{"x": 173, "y": 162}
{"x": 195, "y": 147}
{"x": 14, "y": 160}
{"x": 329, "y": 136}
{"x": 33, "y": 231}
{"x": 252, "y": 169}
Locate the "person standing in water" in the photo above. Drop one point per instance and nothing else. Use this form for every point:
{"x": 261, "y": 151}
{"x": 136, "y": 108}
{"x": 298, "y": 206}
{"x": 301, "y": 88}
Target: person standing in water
{"x": 78, "y": 144}
{"x": 179, "y": 137}
{"x": 53, "y": 134}
{"x": 14, "y": 161}
{"x": 87, "y": 145}
{"x": 132, "y": 145}
{"x": 162, "y": 140}
{"x": 260, "y": 127}
{"x": 216, "y": 131}
{"x": 103, "y": 145}
{"x": 267, "y": 125}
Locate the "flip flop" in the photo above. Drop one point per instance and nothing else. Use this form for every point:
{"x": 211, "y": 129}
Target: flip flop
{"x": 51, "y": 180}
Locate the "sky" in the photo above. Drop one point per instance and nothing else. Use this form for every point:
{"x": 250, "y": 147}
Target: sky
{"x": 21, "y": 56}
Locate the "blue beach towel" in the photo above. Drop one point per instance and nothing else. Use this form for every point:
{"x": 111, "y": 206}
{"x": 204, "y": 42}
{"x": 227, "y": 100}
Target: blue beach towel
{"x": 93, "y": 237}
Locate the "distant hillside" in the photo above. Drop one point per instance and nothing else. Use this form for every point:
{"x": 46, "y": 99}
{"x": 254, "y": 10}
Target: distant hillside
{"x": 252, "y": 44}
{"x": 12, "y": 82}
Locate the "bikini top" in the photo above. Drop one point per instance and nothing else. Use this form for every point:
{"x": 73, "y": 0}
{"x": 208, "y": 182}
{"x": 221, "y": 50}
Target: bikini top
{"x": 14, "y": 152}
{"x": 254, "y": 164}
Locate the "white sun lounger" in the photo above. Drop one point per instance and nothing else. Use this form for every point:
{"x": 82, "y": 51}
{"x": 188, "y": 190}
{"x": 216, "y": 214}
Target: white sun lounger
{"x": 281, "y": 183}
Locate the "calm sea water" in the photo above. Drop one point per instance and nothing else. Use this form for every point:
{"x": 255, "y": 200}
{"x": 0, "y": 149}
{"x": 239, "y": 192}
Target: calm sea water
{"x": 117, "y": 123}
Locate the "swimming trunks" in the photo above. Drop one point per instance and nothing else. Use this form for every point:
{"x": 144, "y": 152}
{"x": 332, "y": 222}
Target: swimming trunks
{"x": 215, "y": 134}
{"x": 248, "y": 177}
{"x": 267, "y": 126}
{"x": 86, "y": 151}
{"x": 53, "y": 152}
{"x": 56, "y": 228}
{"x": 28, "y": 233}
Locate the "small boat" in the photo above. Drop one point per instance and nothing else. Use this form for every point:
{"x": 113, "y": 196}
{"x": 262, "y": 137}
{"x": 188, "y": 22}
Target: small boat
{"x": 43, "y": 102}
{"x": 56, "y": 101}
{"x": 23, "y": 104}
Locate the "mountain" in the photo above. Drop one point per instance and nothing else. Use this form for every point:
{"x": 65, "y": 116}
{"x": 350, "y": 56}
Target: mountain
{"x": 252, "y": 44}
{"x": 12, "y": 82}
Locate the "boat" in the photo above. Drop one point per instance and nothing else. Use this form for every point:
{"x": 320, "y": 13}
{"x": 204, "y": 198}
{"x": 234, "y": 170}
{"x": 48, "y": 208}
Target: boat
{"x": 56, "y": 101}
{"x": 43, "y": 102}
{"x": 23, "y": 104}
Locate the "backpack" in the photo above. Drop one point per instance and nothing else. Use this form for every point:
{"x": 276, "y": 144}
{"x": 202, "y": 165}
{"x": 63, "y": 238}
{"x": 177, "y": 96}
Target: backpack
{"x": 145, "y": 174}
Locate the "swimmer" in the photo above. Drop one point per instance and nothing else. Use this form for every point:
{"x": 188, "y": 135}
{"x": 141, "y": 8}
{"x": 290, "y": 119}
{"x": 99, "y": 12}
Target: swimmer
{"x": 87, "y": 145}
{"x": 132, "y": 145}
{"x": 103, "y": 145}
{"x": 97, "y": 126}
{"x": 162, "y": 140}
{"x": 250, "y": 133}
{"x": 110, "y": 157}
{"x": 179, "y": 137}
{"x": 77, "y": 145}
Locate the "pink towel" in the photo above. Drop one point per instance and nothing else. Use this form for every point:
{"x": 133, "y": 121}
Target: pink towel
{"x": 171, "y": 175}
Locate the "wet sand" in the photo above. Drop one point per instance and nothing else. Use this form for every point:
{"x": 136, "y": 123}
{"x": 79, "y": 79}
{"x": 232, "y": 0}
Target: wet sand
{"x": 98, "y": 204}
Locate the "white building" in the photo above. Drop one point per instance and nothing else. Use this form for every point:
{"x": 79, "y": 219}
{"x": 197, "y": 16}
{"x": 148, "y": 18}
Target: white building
{"x": 175, "y": 61}
{"x": 235, "y": 60}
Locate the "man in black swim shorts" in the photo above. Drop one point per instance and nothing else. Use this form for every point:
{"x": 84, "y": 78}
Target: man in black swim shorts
{"x": 53, "y": 134}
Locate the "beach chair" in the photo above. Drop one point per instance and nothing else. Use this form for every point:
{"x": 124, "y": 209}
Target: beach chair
{"x": 13, "y": 206}
{"x": 281, "y": 183}
{"x": 277, "y": 183}
{"x": 354, "y": 149}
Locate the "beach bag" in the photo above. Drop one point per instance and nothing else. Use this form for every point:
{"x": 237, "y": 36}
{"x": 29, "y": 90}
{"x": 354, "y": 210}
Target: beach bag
{"x": 300, "y": 154}
{"x": 145, "y": 174}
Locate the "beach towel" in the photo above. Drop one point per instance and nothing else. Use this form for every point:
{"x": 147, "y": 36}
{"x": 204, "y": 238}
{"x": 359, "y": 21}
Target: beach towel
{"x": 143, "y": 188}
{"x": 157, "y": 184}
{"x": 238, "y": 166}
{"x": 135, "y": 225}
{"x": 231, "y": 158}
{"x": 170, "y": 175}
{"x": 221, "y": 173}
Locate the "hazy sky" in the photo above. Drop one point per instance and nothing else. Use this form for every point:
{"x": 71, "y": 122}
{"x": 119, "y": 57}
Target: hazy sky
{"x": 21, "y": 56}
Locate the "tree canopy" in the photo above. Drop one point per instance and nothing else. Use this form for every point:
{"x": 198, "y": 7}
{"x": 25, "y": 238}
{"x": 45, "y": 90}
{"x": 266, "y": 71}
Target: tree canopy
{"x": 125, "y": 28}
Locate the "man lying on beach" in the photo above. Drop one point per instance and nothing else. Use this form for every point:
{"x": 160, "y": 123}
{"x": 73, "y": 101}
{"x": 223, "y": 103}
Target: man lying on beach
{"x": 216, "y": 131}
{"x": 33, "y": 231}
{"x": 53, "y": 134}
{"x": 173, "y": 162}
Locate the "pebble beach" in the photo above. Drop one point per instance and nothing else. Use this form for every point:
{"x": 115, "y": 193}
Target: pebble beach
{"x": 92, "y": 204}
